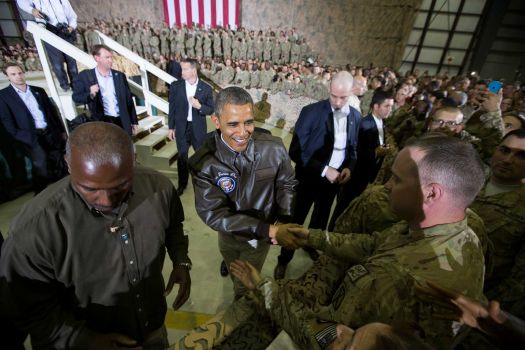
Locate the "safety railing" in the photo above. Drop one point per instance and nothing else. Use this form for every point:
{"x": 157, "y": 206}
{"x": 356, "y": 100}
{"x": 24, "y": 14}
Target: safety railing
{"x": 42, "y": 35}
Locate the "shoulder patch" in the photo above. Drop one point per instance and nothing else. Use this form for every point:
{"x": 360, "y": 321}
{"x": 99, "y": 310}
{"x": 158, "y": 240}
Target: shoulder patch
{"x": 226, "y": 181}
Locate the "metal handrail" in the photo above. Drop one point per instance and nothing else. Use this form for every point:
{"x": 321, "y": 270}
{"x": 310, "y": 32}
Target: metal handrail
{"x": 41, "y": 35}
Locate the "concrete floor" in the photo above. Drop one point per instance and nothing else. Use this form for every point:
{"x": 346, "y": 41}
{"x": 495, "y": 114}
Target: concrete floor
{"x": 210, "y": 292}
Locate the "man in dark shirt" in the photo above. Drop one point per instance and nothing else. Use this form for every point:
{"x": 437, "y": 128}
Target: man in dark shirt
{"x": 82, "y": 265}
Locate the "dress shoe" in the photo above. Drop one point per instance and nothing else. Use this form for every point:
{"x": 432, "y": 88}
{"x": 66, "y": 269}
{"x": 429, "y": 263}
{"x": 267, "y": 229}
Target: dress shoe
{"x": 180, "y": 191}
{"x": 224, "y": 269}
{"x": 314, "y": 255}
{"x": 279, "y": 272}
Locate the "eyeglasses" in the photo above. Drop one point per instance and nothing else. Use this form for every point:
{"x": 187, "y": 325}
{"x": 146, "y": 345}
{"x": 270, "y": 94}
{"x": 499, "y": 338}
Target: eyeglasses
{"x": 447, "y": 123}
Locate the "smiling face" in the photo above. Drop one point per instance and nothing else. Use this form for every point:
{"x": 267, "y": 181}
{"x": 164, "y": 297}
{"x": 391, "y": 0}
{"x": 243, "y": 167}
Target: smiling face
{"x": 236, "y": 124}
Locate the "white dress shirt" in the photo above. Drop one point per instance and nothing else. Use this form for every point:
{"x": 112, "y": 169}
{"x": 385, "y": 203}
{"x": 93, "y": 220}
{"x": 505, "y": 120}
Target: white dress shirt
{"x": 106, "y": 86}
{"x": 340, "y": 132}
{"x": 32, "y": 104}
{"x": 58, "y": 11}
{"x": 191, "y": 89}
{"x": 380, "y": 129}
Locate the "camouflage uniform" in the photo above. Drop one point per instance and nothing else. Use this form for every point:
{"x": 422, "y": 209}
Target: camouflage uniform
{"x": 285, "y": 52}
{"x": 242, "y": 79}
{"x": 366, "y": 99}
{"x": 190, "y": 45}
{"x": 378, "y": 289}
{"x": 135, "y": 43}
{"x": 488, "y": 127}
{"x": 243, "y": 47}
{"x": 276, "y": 51}
{"x": 267, "y": 50}
{"x": 295, "y": 52}
{"x": 206, "y": 47}
{"x": 217, "y": 48}
{"x": 266, "y": 77}
{"x": 504, "y": 217}
{"x": 144, "y": 40}
{"x": 255, "y": 79}
{"x": 179, "y": 43}
{"x": 165, "y": 42}
{"x": 80, "y": 42}
{"x": 250, "y": 48}
{"x": 235, "y": 49}
{"x": 259, "y": 48}
{"x": 126, "y": 39}
{"x": 154, "y": 42}
{"x": 226, "y": 44}
{"x": 198, "y": 45}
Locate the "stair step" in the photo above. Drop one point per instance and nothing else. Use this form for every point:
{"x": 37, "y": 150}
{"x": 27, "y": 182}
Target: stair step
{"x": 141, "y": 109}
{"x": 164, "y": 157}
{"x": 150, "y": 122}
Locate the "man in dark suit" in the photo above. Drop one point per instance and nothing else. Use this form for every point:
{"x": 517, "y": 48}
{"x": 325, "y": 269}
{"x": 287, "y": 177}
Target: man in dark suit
{"x": 191, "y": 100}
{"x": 174, "y": 68}
{"x": 106, "y": 92}
{"x": 30, "y": 118}
{"x": 323, "y": 148}
{"x": 371, "y": 150}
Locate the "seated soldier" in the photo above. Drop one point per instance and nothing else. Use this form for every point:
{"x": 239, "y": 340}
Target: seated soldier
{"x": 501, "y": 205}
{"x": 366, "y": 278}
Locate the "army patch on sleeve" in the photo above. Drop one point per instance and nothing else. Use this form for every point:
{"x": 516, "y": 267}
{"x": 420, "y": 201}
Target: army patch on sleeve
{"x": 356, "y": 272}
{"x": 226, "y": 181}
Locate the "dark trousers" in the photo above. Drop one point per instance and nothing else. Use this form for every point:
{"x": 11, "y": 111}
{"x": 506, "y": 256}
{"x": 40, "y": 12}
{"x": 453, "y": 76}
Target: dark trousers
{"x": 47, "y": 160}
{"x": 112, "y": 120}
{"x": 57, "y": 59}
{"x": 183, "y": 144}
{"x": 319, "y": 192}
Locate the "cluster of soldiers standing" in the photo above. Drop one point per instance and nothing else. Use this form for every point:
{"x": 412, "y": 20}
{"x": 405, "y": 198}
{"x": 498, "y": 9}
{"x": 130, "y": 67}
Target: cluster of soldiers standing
{"x": 26, "y": 57}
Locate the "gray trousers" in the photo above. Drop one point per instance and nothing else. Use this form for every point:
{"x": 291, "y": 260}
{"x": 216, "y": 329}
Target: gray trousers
{"x": 232, "y": 248}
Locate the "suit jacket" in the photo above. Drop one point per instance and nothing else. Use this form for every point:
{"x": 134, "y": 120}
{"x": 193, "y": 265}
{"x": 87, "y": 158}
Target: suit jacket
{"x": 313, "y": 139}
{"x": 18, "y": 121}
{"x": 174, "y": 69}
{"x": 81, "y": 95}
{"x": 178, "y": 112}
{"x": 368, "y": 164}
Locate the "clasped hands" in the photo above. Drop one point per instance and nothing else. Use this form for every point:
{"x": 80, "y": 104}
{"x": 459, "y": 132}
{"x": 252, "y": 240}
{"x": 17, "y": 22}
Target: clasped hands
{"x": 291, "y": 236}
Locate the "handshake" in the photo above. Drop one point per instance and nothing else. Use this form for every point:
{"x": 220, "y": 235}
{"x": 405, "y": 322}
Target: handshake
{"x": 291, "y": 236}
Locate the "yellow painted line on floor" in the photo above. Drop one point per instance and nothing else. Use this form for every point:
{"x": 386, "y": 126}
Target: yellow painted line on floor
{"x": 185, "y": 320}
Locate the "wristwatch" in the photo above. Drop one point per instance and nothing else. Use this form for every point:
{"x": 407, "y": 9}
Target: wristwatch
{"x": 188, "y": 265}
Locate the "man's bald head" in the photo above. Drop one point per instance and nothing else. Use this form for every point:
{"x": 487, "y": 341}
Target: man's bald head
{"x": 100, "y": 161}
{"x": 101, "y": 143}
{"x": 340, "y": 89}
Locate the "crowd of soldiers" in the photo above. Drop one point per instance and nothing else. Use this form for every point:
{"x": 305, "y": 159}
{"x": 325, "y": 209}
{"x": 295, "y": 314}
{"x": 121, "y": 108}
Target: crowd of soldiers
{"x": 26, "y": 57}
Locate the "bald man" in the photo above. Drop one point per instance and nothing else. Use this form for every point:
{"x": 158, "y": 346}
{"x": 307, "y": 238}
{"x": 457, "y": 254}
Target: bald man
{"x": 82, "y": 265}
{"x": 324, "y": 149}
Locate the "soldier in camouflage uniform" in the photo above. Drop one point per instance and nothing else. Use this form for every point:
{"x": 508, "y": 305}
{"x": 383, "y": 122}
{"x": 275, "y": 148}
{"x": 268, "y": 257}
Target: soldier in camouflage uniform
{"x": 371, "y": 278}
{"x": 80, "y": 42}
{"x": 136, "y": 46}
{"x": 295, "y": 51}
{"x": 190, "y": 44}
{"x": 145, "y": 37}
{"x": 217, "y": 44}
{"x": 235, "y": 49}
{"x": 267, "y": 49}
{"x": 501, "y": 205}
{"x": 165, "y": 40}
{"x": 486, "y": 124}
{"x": 276, "y": 51}
{"x": 285, "y": 51}
{"x": 198, "y": 45}
{"x": 243, "y": 49}
{"x": 266, "y": 76}
{"x": 255, "y": 76}
{"x": 226, "y": 44}
{"x": 154, "y": 43}
{"x": 242, "y": 76}
{"x": 206, "y": 45}
{"x": 259, "y": 48}
{"x": 250, "y": 47}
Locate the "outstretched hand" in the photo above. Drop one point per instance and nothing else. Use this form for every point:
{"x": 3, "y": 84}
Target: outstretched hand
{"x": 291, "y": 236}
{"x": 246, "y": 273}
{"x": 485, "y": 317}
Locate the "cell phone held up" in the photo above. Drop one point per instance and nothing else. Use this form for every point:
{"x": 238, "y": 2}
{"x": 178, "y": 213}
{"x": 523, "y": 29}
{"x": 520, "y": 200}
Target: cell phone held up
{"x": 495, "y": 86}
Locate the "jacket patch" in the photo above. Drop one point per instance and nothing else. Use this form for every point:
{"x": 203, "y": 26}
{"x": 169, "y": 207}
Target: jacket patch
{"x": 226, "y": 182}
